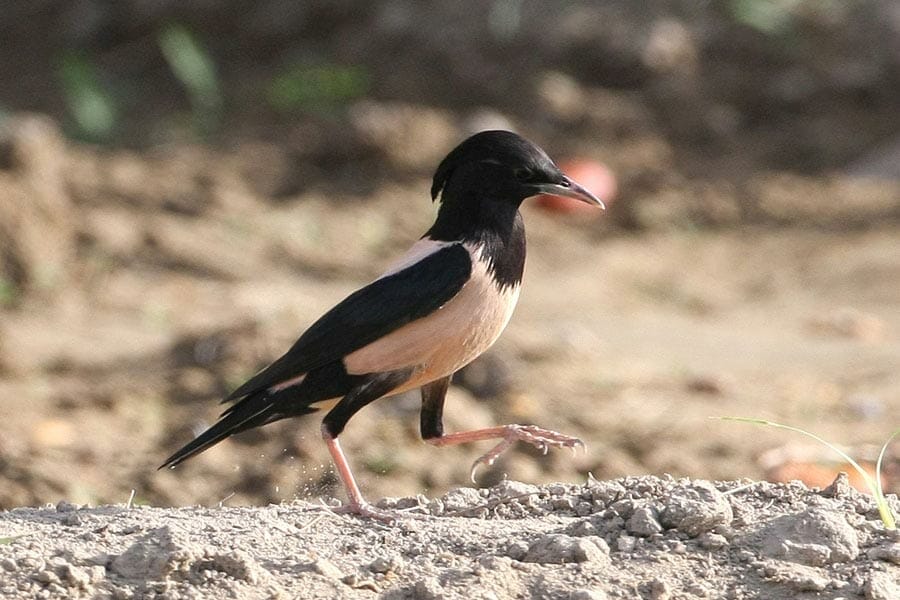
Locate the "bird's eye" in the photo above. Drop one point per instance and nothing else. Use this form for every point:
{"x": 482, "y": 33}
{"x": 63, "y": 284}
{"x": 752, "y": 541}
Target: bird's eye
{"x": 523, "y": 174}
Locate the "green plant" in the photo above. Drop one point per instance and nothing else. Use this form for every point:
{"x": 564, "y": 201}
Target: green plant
{"x": 193, "y": 66}
{"x": 874, "y": 484}
{"x": 320, "y": 88}
{"x": 781, "y": 17}
{"x": 92, "y": 107}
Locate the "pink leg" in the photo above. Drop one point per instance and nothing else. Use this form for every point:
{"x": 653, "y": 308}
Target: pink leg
{"x": 540, "y": 438}
{"x": 357, "y": 505}
{"x": 357, "y": 502}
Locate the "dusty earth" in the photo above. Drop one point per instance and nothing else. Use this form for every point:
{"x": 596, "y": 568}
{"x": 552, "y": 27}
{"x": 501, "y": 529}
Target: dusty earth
{"x": 749, "y": 265}
{"x": 638, "y": 537}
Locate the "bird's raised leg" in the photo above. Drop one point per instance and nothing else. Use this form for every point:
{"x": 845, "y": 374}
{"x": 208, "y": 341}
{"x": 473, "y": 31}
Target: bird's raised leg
{"x": 432, "y": 429}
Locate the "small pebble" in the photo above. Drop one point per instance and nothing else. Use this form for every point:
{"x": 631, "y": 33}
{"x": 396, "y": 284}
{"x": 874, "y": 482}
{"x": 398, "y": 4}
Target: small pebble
{"x": 643, "y": 522}
{"x": 882, "y": 586}
{"x": 583, "y": 509}
{"x": 887, "y": 552}
{"x": 711, "y": 541}
{"x": 659, "y": 590}
{"x": 428, "y": 589}
{"x": 696, "y": 508}
{"x": 517, "y": 550}
{"x": 582, "y": 528}
{"x": 558, "y": 548}
{"x": 626, "y": 543}
{"x": 75, "y": 576}
{"x": 325, "y": 567}
{"x": 46, "y": 576}
{"x": 384, "y": 564}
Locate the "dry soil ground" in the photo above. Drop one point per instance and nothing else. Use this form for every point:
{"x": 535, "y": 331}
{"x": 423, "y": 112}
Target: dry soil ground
{"x": 629, "y": 538}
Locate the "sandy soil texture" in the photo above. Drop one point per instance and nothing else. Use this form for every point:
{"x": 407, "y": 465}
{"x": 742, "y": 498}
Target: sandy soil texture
{"x": 639, "y": 537}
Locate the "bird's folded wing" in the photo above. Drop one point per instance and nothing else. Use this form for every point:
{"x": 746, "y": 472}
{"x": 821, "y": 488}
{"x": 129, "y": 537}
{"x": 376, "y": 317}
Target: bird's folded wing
{"x": 374, "y": 311}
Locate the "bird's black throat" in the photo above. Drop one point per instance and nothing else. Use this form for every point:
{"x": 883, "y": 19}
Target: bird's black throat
{"x": 495, "y": 227}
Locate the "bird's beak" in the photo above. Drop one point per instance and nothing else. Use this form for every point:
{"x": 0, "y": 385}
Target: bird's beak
{"x": 570, "y": 189}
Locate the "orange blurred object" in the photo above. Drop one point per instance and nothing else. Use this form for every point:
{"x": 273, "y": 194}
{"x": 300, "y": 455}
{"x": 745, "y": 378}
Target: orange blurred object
{"x": 593, "y": 175}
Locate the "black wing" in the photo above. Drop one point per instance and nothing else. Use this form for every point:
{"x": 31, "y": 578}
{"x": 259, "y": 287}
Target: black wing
{"x": 369, "y": 314}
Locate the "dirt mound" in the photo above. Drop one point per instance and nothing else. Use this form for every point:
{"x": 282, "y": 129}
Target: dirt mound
{"x": 642, "y": 537}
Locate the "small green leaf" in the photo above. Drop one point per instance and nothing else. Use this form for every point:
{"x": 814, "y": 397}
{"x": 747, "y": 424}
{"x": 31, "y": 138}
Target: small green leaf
{"x": 91, "y": 106}
{"x": 194, "y": 67}
{"x": 772, "y": 17}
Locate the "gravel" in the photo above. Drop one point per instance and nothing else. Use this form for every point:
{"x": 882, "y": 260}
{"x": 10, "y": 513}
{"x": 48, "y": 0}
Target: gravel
{"x": 644, "y": 537}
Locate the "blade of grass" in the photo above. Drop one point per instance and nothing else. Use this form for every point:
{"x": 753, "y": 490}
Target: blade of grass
{"x": 874, "y": 485}
{"x": 863, "y": 473}
{"x": 91, "y": 106}
{"x": 772, "y": 17}
{"x": 194, "y": 67}
{"x": 881, "y": 459}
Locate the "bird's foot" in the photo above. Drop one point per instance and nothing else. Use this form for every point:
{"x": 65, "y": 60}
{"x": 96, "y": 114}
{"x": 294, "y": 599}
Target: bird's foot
{"x": 542, "y": 439}
{"x": 366, "y": 510}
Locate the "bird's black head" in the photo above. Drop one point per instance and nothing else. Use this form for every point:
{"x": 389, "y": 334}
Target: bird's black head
{"x": 482, "y": 182}
{"x": 501, "y": 166}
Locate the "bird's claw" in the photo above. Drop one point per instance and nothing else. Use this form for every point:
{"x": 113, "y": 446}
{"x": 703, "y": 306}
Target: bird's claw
{"x": 474, "y": 468}
{"x": 542, "y": 439}
{"x": 488, "y": 458}
{"x": 365, "y": 510}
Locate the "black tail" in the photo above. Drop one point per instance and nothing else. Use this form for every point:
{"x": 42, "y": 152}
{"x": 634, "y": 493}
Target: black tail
{"x": 253, "y": 411}
{"x": 262, "y": 407}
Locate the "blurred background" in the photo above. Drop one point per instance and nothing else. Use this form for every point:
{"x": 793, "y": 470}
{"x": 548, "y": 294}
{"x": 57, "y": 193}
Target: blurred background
{"x": 186, "y": 185}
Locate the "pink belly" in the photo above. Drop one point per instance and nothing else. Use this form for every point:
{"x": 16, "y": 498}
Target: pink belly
{"x": 446, "y": 340}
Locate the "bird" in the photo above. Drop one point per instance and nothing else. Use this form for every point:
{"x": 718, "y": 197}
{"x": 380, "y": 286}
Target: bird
{"x": 434, "y": 310}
